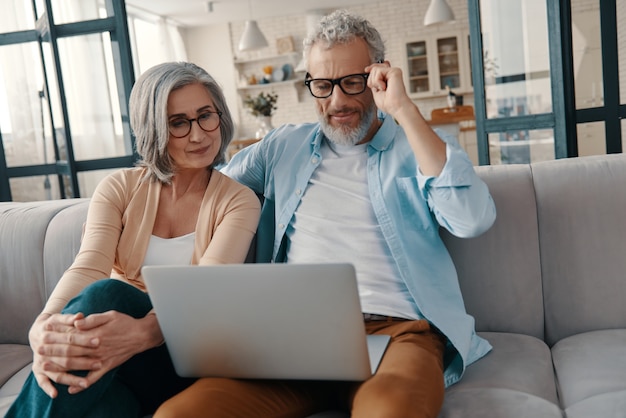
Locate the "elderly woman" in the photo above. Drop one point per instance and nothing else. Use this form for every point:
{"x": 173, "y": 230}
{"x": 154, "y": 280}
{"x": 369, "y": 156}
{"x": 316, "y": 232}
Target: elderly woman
{"x": 98, "y": 349}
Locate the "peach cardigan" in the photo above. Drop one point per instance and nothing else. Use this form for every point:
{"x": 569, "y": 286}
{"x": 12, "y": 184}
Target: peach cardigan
{"x": 120, "y": 221}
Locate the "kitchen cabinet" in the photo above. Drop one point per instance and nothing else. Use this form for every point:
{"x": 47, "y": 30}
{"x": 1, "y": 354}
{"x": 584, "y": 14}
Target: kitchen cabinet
{"x": 437, "y": 61}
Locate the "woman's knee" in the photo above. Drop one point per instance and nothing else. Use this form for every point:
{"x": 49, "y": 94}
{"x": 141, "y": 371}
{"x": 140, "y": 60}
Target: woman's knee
{"x": 110, "y": 294}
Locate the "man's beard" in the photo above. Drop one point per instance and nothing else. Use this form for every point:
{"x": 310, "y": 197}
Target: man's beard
{"x": 345, "y": 135}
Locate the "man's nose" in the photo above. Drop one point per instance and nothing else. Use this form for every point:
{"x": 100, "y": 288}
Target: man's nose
{"x": 337, "y": 95}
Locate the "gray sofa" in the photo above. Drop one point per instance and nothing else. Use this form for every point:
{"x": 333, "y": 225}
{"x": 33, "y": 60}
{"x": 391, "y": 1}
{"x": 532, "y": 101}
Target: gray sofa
{"x": 546, "y": 284}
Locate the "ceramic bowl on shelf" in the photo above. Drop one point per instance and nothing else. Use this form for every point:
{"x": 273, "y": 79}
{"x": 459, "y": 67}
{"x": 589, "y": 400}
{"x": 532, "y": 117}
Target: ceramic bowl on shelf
{"x": 287, "y": 71}
{"x": 446, "y": 48}
{"x": 278, "y": 75}
{"x": 417, "y": 50}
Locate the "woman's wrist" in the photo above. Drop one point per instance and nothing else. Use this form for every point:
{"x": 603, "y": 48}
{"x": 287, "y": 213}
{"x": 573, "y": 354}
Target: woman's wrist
{"x": 155, "y": 336}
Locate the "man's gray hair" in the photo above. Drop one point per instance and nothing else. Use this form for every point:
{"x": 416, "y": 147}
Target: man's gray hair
{"x": 341, "y": 27}
{"x": 149, "y": 119}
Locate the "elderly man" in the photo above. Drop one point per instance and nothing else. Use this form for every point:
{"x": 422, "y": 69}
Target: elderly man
{"x": 370, "y": 184}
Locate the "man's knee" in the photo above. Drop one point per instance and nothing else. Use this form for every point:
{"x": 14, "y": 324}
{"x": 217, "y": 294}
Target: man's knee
{"x": 206, "y": 397}
{"x": 393, "y": 396}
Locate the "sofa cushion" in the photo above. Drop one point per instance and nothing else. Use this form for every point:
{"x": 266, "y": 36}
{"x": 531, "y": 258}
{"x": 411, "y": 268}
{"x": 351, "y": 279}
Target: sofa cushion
{"x": 514, "y": 380}
{"x": 22, "y": 290}
{"x": 518, "y": 363}
{"x": 62, "y": 242}
{"x": 590, "y": 367}
{"x": 580, "y": 205}
{"x": 13, "y": 357}
{"x": 10, "y": 390}
{"x": 497, "y": 403}
{"x": 607, "y": 405}
{"x": 499, "y": 271}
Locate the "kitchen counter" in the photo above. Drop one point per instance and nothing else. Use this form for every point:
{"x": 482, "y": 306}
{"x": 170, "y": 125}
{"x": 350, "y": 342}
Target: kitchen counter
{"x": 463, "y": 116}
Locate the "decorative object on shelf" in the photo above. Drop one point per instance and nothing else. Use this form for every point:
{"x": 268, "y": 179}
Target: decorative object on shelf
{"x": 262, "y": 106}
{"x": 284, "y": 45}
{"x": 452, "y": 99}
{"x": 417, "y": 50}
{"x": 267, "y": 74}
{"x": 287, "y": 71}
{"x": 278, "y": 75}
{"x": 252, "y": 37}
{"x": 438, "y": 12}
{"x": 265, "y": 126}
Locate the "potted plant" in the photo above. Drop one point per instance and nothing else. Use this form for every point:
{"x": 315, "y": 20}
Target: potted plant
{"x": 262, "y": 106}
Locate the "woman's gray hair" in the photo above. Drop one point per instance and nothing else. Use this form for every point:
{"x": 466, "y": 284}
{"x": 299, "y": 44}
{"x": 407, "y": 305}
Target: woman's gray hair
{"x": 149, "y": 119}
{"x": 341, "y": 27}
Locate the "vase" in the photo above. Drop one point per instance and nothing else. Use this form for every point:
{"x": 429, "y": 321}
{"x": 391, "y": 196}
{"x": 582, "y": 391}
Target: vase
{"x": 265, "y": 125}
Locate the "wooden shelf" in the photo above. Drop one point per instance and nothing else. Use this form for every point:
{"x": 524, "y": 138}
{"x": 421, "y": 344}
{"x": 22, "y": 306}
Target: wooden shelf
{"x": 291, "y": 57}
{"x": 265, "y": 86}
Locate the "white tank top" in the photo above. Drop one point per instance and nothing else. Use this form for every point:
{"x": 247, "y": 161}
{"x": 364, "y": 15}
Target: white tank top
{"x": 335, "y": 222}
{"x": 178, "y": 250}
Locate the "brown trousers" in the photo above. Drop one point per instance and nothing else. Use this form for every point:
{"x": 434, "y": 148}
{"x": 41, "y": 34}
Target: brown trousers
{"x": 408, "y": 383}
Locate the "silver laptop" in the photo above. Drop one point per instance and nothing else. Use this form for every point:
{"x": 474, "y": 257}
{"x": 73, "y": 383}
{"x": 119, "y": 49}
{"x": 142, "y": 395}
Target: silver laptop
{"x": 268, "y": 321}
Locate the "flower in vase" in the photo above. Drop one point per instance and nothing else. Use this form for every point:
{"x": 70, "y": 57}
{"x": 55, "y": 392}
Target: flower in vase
{"x": 263, "y": 104}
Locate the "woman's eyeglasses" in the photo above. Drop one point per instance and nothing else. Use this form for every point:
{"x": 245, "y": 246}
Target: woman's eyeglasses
{"x": 350, "y": 84}
{"x": 208, "y": 122}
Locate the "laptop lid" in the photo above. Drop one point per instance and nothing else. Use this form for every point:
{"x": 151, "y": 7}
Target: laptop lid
{"x": 270, "y": 321}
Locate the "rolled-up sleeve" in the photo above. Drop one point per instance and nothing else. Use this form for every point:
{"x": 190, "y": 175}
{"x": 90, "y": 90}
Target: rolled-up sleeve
{"x": 458, "y": 198}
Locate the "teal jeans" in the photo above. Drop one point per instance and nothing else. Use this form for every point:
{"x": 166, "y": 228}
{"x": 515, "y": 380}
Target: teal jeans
{"x": 134, "y": 389}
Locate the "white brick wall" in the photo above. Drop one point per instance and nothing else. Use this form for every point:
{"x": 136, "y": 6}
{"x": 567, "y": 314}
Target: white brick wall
{"x": 397, "y": 21}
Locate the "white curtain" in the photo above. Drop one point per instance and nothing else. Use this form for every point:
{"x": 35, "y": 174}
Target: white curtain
{"x": 21, "y": 80}
{"x": 156, "y": 39}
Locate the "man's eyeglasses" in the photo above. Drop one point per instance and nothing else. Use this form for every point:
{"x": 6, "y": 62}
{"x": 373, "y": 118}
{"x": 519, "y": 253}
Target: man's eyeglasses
{"x": 350, "y": 84}
{"x": 208, "y": 122}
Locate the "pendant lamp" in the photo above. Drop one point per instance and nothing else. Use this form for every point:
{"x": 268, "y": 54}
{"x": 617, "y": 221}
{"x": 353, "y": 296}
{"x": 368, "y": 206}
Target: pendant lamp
{"x": 438, "y": 12}
{"x": 252, "y": 37}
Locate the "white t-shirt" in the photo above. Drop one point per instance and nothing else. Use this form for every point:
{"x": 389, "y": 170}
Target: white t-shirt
{"x": 163, "y": 251}
{"x": 335, "y": 222}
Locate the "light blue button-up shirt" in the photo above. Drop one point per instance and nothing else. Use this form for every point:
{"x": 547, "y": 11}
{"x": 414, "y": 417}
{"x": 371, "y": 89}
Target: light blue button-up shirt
{"x": 409, "y": 206}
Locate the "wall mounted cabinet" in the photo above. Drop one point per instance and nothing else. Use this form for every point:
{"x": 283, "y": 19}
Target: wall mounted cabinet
{"x": 437, "y": 61}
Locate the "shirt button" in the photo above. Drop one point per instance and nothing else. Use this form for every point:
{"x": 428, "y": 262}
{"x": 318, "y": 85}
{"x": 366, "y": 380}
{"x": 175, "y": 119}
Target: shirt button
{"x": 281, "y": 226}
{"x": 314, "y": 160}
{"x": 298, "y": 192}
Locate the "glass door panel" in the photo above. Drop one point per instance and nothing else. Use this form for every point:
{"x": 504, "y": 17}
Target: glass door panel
{"x": 16, "y": 15}
{"x": 591, "y": 138}
{"x": 95, "y": 122}
{"x": 23, "y": 112}
{"x": 587, "y": 54}
{"x": 417, "y": 57}
{"x": 32, "y": 188}
{"x": 69, "y": 11}
{"x": 521, "y": 146}
{"x": 516, "y": 58}
{"x": 621, "y": 50}
{"x": 448, "y": 61}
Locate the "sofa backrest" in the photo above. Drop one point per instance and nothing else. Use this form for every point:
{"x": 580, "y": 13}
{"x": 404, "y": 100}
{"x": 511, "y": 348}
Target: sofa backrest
{"x": 558, "y": 242}
{"x": 581, "y": 207}
{"x": 38, "y": 241}
{"x": 554, "y": 262}
{"x": 500, "y": 271}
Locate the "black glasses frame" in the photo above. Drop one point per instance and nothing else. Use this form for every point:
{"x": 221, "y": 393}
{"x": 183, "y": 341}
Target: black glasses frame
{"x": 191, "y": 121}
{"x": 335, "y": 82}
